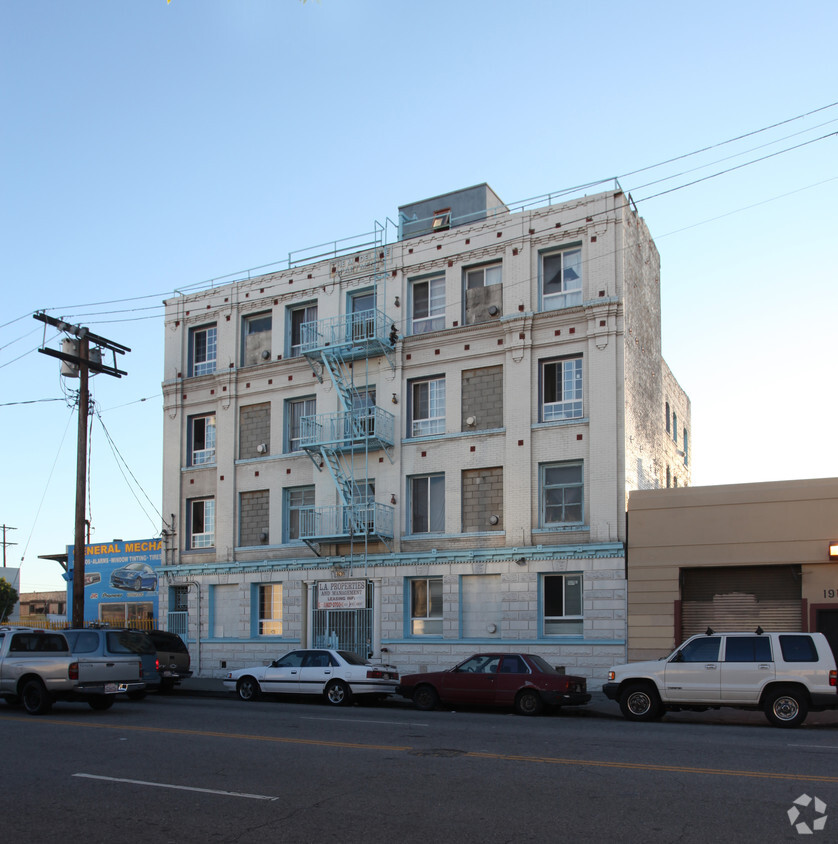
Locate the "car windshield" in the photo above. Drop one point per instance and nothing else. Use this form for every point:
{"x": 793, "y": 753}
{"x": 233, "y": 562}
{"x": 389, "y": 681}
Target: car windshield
{"x": 352, "y": 658}
{"x": 130, "y": 642}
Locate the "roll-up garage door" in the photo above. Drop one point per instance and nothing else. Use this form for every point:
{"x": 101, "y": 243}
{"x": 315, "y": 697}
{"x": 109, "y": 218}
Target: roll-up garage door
{"x": 741, "y": 598}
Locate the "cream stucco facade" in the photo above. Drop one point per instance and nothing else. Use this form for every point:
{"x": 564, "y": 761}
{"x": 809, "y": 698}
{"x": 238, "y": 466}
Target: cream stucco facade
{"x": 500, "y": 371}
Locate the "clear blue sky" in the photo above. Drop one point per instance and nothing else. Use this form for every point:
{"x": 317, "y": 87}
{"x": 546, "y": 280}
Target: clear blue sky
{"x": 147, "y": 146}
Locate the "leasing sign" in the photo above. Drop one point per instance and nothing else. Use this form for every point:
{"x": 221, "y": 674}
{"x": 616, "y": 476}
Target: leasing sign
{"x": 341, "y": 595}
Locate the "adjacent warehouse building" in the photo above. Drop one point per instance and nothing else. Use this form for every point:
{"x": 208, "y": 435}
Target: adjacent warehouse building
{"x": 732, "y": 558}
{"x": 421, "y": 445}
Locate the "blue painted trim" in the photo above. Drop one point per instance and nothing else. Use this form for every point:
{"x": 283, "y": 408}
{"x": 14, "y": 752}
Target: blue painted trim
{"x": 530, "y": 553}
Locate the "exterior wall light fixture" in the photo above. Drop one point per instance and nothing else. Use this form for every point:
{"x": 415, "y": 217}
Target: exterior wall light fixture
{"x": 833, "y": 550}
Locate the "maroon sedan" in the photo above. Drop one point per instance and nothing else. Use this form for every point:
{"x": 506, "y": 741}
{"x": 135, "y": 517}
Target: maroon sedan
{"x": 525, "y": 682}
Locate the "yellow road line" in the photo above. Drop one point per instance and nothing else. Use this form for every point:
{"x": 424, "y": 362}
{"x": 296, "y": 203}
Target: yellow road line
{"x": 501, "y": 757}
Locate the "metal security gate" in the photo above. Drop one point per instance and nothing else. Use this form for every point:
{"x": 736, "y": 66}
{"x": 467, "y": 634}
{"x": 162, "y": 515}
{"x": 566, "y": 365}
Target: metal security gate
{"x": 345, "y": 629}
{"x": 741, "y": 598}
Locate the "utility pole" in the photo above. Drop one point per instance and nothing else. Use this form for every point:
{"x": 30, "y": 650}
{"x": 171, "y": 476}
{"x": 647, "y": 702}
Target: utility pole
{"x": 5, "y": 543}
{"x": 79, "y": 357}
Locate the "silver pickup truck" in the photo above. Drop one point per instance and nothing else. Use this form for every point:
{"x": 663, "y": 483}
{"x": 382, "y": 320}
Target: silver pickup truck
{"x": 37, "y": 669}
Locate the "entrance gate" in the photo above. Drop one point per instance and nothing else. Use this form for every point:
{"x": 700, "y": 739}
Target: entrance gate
{"x": 345, "y": 629}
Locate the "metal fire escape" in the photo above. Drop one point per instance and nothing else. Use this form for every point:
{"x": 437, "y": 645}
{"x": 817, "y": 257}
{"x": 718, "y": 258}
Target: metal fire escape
{"x": 342, "y": 441}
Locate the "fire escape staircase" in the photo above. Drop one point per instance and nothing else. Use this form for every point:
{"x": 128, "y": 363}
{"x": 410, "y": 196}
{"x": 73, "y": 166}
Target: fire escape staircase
{"x": 341, "y": 442}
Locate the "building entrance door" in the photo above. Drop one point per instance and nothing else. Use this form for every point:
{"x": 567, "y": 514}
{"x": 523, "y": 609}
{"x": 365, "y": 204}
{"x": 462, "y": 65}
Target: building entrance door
{"x": 342, "y": 625}
{"x": 826, "y": 622}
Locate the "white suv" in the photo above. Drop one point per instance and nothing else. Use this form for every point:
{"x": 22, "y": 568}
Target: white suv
{"x": 786, "y": 675}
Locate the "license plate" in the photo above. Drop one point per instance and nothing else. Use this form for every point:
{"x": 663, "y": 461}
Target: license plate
{"x": 111, "y": 688}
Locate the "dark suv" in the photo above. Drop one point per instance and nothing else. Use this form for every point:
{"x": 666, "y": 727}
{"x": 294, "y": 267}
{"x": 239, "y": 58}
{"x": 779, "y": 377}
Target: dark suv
{"x": 105, "y": 641}
{"x": 173, "y": 658}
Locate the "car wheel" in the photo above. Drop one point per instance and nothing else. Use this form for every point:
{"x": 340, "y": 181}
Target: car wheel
{"x": 101, "y": 702}
{"x": 137, "y": 695}
{"x": 36, "y": 701}
{"x": 786, "y": 707}
{"x": 640, "y": 702}
{"x": 248, "y": 689}
{"x": 425, "y": 698}
{"x": 338, "y": 693}
{"x": 528, "y": 702}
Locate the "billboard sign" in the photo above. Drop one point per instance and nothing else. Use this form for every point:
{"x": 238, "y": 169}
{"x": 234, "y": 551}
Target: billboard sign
{"x": 121, "y": 580}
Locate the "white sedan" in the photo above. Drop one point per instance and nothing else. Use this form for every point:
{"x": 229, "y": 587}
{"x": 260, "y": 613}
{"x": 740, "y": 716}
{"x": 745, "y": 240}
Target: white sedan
{"x": 337, "y": 675}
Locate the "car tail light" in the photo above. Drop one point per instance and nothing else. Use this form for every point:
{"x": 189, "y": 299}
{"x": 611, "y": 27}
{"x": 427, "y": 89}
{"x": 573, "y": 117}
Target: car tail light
{"x": 378, "y": 674}
{"x": 157, "y": 664}
{"x": 833, "y": 678}
{"x": 140, "y": 663}
{"x": 73, "y": 671}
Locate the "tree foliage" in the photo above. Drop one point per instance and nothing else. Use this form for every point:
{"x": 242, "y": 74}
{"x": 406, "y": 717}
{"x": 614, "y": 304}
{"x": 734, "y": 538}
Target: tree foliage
{"x": 8, "y": 599}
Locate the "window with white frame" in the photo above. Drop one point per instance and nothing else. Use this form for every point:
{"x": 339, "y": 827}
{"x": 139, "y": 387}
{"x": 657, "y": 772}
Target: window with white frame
{"x": 201, "y": 440}
{"x": 561, "y": 494}
{"x": 295, "y": 411}
{"x": 203, "y": 344}
{"x": 561, "y": 389}
{"x": 202, "y": 523}
{"x": 561, "y": 279}
{"x": 561, "y": 604}
{"x": 270, "y": 609}
{"x": 427, "y": 304}
{"x": 427, "y": 407}
{"x": 298, "y": 503}
{"x": 426, "y": 606}
{"x": 485, "y": 276}
{"x": 427, "y": 504}
{"x": 299, "y": 336}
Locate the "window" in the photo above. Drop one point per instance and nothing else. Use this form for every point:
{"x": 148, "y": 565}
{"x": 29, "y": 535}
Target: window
{"x": 427, "y": 504}
{"x": 295, "y": 411}
{"x": 798, "y": 649}
{"x": 561, "y": 494}
{"x": 427, "y": 407}
{"x": 562, "y": 604}
{"x": 297, "y": 501}
{"x": 362, "y": 307}
{"x": 201, "y": 440}
{"x": 704, "y": 649}
{"x": 442, "y": 220}
{"x": 561, "y": 389}
{"x": 256, "y": 339}
{"x": 270, "y": 609}
{"x": 674, "y": 427}
{"x": 202, "y": 350}
{"x": 483, "y": 276}
{"x": 426, "y": 606}
{"x": 686, "y": 449}
{"x": 202, "y": 523}
{"x": 299, "y": 336}
{"x": 748, "y": 649}
{"x": 668, "y": 421}
{"x": 561, "y": 279}
{"x": 427, "y": 305}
